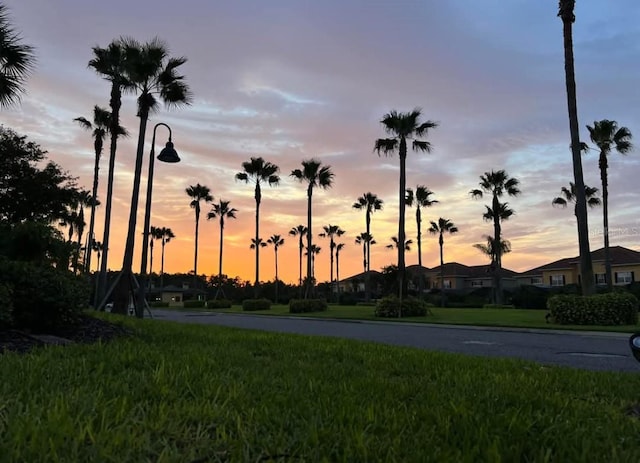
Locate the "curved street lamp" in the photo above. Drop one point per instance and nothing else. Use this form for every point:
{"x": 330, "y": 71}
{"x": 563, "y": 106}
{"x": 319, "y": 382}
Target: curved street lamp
{"x": 168, "y": 154}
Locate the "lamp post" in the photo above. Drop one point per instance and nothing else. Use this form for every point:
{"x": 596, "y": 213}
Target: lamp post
{"x": 168, "y": 154}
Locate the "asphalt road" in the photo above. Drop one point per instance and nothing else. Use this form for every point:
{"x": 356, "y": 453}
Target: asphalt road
{"x": 585, "y": 350}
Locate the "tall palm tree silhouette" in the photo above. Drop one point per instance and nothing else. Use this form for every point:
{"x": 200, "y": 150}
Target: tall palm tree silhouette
{"x": 197, "y": 193}
{"x": 315, "y": 175}
{"x": 421, "y": 198}
{"x": 568, "y": 195}
{"x": 258, "y": 171}
{"x": 166, "y": 235}
{"x": 366, "y": 240}
{"x": 439, "y": 228}
{"x": 300, "y": 231}
{"x": 566, "y": 13}
{"x": 339, "y": 247}
{"x": 370, "y": 203}
{"x": 607, "y": 136}
{"x": 497, "y": 184}
{"x": 99, "y": 129}
{"x": 276, "y": 241}
{"x": 402, "y": 127}
{"x": 331, "y": 232}
{"x": 222, "y": 210}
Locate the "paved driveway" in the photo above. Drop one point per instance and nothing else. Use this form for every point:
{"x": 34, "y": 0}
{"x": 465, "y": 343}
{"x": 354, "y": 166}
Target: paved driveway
{"x": 586, "y": 350}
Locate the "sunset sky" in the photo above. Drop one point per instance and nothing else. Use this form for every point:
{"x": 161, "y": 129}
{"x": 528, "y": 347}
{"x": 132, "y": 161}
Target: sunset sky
{"x": 293, "y": 79}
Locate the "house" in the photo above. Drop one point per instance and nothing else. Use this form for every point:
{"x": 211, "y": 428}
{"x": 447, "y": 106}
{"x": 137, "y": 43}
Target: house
{"x": 175, "y": 295}
{"x": 625, "y": 265}
{"x": 356, "y": 283}
{"x": 464, "y": 277}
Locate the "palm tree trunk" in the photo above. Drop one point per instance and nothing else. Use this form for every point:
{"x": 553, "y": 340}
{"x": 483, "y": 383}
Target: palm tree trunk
{"x": 401, "y": 216}
{"x": 122, "y": 293}
{"x": 114, "y": 126}
{"x": 309, "y": 240}
{"x": 300, "y": 248}
{"x": 94, "y": 193}
{"x": 338, "y": 277}
{"x": 367, "y": 260}
{"x": 497, "y": 251}
{"x": 258, "y": 197}
{"x": 162, "y": 266}
{"x": 151, "y": 256}
{"x": 605, "y": 214}
{"x": 586, "y": 266}
{"x": 419, "y": 223}
{"x": 195, "y": 254}
{"x": 442, "y": 289}
{"x": 221, "y": 241}
{"x": 331, "y": 246}
{"x": 276, "y": 251}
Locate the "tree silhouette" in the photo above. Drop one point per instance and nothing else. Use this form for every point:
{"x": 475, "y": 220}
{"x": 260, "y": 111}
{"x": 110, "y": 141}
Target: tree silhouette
{"x": 420, "y": 199}
{"x": 276, "y": 241}
{"x": 197, "y": 193}
{"x": 16, "y": 61}
{"x": 370, "y": 203}
{"x": 166, "y": 236}
{"x": 439, "y": 228}
{"x": 300, "y": 231}
{"x": 331, "y": 232}
{"x": 221, "y": 211}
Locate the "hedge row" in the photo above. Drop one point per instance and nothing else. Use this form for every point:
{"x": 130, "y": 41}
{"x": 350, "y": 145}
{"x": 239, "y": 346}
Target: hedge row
{"x": 256, "y": 304}
{"x": 193, "y": 304}
{"x": 599, "y": 309}
{"x": 389, "y": 307}
{"x": 219, "y": 304}
{"x": 307, "y": 305}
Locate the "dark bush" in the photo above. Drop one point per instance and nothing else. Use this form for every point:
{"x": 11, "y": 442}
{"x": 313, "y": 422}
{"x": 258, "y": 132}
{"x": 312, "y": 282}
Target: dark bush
{"x": 158, "y": 304}
{"x": 348, "y": 299}
{"x": 307, "y": 305}
{"x": 193, "y": 304}
{"x": 44, "y": 297}
{"x": 600, "y": 309}
{"x": 219, "y": 304}
{"x": 256, "y": 304}
{"x": 530, "y": 297}
{"x": 6, "y": 305}
{"x": 389, "y": 307}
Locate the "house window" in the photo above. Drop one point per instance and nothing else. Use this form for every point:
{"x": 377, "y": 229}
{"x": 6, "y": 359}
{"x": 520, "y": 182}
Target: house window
{"x": 624, "y": 277}
{"x": 536, "y": 280}
{"x": 476, "y": 283}
{"x": 447, "y": 284}
{"x": 556, "y": 280}
{"x": 601, "y": 278}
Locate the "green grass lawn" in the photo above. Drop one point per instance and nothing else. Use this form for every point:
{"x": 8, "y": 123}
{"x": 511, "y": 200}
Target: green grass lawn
{"x": 518, "y": 318}
{"x": 202, "y": 393}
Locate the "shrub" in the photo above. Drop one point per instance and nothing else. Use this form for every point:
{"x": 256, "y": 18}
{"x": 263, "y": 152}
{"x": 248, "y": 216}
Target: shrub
{"x": 307, "y": 305}
{"x": 193, "y": 304}
{"x": 389, "y": 307}
{"x": 158, "y": 304}
{"x": 44, "y": 297}
{"x": 6, "y": 306}
{"x": 600, "y": 309}
{"x": 219, "y": 304}
{"x": 348, "y": 299}
{"x": 365, "y": 303}
{"x": 530, "y": 297}
{"x": 256, "y": 304}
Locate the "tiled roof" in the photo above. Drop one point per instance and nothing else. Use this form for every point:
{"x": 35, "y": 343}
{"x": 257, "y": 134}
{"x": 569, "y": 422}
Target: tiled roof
{"x": 619, "y": 256}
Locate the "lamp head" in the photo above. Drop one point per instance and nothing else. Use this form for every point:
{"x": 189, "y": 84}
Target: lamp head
{"x": 169, "y": 154}
{"x": 634, "y": 343}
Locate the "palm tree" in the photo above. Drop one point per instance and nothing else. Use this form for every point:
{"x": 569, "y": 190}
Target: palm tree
{"x": 300, "y": 231}
{"x": 276, "y": 241}
{"x": 366, "y": 240}
{"x": 339, "y": 247}
{"x": 84, "y": 199}
{"x": 16, "y": 61}
{"x": 566, "y": 13}
{"x": 152, "y": 75}
{"x": 439, "y": 228}
{"x": 166, "y": 235}
{"x": 221, "y": 211}
{"x": 489, "y": 249}
{"x": 403, "y": 127}
{"x": 607, "y": 136}
{"x": 497, "y": 184}
{"x": 258, "y": 171}
{"x": 395, "y": 243}
{"x": 315, "y": 175}
{"x": 197, "y": 193}
{"x": 370, "y": 203}
{"x": 568, "y": 195}
{"x": 99, "y": 129}
{"x": 155, "y": 233}
{"x": 315, "y": 250}
{"x": 331, "y": 231}
{"x": 96, "y": 246}
{"x": 420, "y": 199}
{"x": 109, "y": 63}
